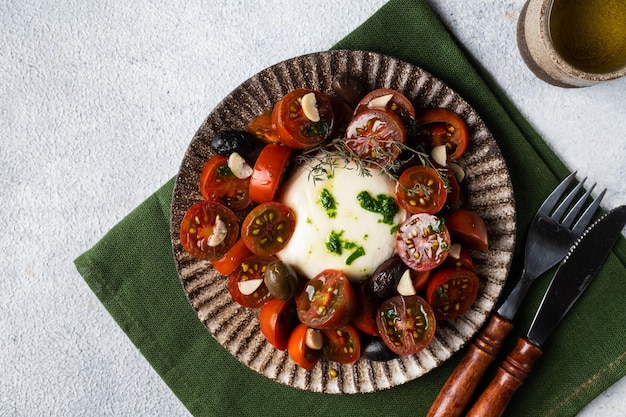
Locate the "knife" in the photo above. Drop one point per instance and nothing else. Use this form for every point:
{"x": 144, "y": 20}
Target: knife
{"x": 573, "y": 276}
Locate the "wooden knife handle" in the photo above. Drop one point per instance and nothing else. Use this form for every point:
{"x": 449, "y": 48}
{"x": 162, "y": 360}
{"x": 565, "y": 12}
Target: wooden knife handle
{"x": 458, "y": 389}
{"x": 510, "y": 376}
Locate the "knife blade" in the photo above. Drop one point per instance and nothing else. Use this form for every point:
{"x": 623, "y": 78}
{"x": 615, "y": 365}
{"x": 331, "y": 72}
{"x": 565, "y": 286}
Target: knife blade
{"x": 571, "y": 279}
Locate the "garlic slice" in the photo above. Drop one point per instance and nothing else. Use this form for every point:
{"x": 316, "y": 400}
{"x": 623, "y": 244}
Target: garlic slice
{"x": 314, "y": 339}
{"x": 405, "y": 285}
{"x": 249, "y": 286}
{"x": 455, "y": 251}
{"x": 309, "y": 107}
{"x": 220, "y": 230}
{"x": 239, "y": 166}
{"x": 458, "y": 171}
{"x": 380, "y": 102}
{"x": 440, "y": 155}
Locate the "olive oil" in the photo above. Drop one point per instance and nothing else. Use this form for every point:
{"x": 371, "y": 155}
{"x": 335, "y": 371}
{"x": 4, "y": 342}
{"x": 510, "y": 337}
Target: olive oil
{"x": 590, "y": 34}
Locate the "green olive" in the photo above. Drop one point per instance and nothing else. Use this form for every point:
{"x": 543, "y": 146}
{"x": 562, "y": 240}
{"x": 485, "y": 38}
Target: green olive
{"x": 281, "y": 280}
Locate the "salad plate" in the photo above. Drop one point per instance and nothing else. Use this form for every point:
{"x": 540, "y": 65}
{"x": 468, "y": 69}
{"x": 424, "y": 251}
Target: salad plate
{"x": 487, "y": 189}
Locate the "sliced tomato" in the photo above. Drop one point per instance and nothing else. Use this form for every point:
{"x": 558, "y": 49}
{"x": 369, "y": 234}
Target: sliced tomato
{"x": 277, "y": 319}
{"x": 208, "y": 230}
{"x": 268, "y": 172}
{"x": 218, "y": 183}
{"x": 365, "y": 317}
{"x": 263, "y": 129}
{"x": 268, "y": 227}
{"x": 252, "y": 268}
{"x": 423, "y": 241}
{"x": 294, "y": 124}
{"x": 469, "y": 228}
{"x": 453, "y": 189}
{"x": 299, "y": 352}
{"x": 451, "y": 292}
{"x": 421, "y": 189}
{"x": 342, "y": 345}
{"x": 406, "y": 324}
{"x": 376, "y": 136}
{"x": 387, "y": 99}
{"x": 327, "y": 301}
{"x": 232, "y": 258}
{"x": 441, "y": 126}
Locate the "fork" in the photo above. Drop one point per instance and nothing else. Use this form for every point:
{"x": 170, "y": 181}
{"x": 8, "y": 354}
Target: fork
{"x": 552, "y": 232}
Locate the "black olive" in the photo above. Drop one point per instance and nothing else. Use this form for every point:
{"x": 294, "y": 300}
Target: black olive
{"x": 374, "y": 349}
{"x": 385, "y": 278}
{"x": 281, "y": 280}
{"x": 229, "y": 141}
{"x": 348, "y": 88}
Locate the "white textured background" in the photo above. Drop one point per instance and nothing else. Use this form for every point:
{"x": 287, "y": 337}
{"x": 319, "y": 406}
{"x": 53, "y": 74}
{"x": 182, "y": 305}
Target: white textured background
{"x": 98, "y": 101}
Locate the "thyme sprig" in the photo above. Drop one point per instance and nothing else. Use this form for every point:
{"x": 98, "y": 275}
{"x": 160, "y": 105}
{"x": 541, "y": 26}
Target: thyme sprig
{"x": 325, "y": 158}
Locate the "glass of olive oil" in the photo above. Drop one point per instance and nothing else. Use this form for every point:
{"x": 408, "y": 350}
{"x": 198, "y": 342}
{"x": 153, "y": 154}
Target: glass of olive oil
{"x": 574, "y": 43}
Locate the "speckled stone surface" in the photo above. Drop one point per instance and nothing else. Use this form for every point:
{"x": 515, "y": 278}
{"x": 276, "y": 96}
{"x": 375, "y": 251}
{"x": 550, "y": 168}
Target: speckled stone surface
{"x": 100, "y": 101}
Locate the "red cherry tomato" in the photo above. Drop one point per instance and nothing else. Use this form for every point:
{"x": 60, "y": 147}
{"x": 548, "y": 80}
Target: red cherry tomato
{"x": 376, "y": 136}
{"x": 208, "y": 230}
{"x": 252, "y": 268}
{"x": 268, "y": 172}
{"x": 299, "y": 352}
{"x": 294, "y": 128}
{"x": 218, "y": 183}
{"x": 232, "y": 258}
{"x": 451, "y": 292}
{"x": 263, "y": 129}
{"x": 441, "y": 126}
{"x": 397, "y": 102}
{"x": 268, "y": 227}
{"x": 365, "y": 317}
{"x": 421, "y": 189}
{"x": 423, "y": 241}
{"x": 342, "y": 345}
{"x": 406, "y": 324}
{"x": 469, "y": 228}
{"x": 327, "y": 301}
{"x": 453, "y": 189}
{"x": 277, "y": 319}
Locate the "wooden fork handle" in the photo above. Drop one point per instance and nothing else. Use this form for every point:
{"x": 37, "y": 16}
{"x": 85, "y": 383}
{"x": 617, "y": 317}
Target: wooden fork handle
{"x": 458, "y": 389}
{"x": 510, "y": 376}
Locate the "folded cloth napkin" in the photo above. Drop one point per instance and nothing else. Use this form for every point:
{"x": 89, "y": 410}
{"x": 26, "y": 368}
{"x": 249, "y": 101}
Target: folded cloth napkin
{"x": 138, "y": 282}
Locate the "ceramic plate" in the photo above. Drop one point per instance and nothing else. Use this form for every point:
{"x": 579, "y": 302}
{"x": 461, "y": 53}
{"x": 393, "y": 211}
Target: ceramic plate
{"x": 487, "y": 185}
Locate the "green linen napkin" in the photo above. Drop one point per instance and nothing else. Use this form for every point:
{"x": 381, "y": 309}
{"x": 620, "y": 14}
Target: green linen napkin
{"x": 139, "y": 286}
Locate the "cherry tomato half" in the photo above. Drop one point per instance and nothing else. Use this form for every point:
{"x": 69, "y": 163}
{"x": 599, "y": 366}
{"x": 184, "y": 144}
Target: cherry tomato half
{"x": 232, "y": 258}
{"x": 218, "y": 183}
{"x": 419, "y": 279}
{"x": 385, "y": 98}
{"x": 292, "y": 124}
{"x": 421, "y": 189}
{"x": 423, "y": 241}
{"x": 406, "y": 324}
{"x": 342, "y": 345}
{"x": 464, "y": 260}
{"x": 263, "y": 129}
{"x": 208, "y": 230}
{"x": 299, "y": 352}
{"x": 268, "y": 172}
{"x": 441, "y": 126}
{"x": 277, "y": 319}
{"x": 376, "y": 135}
{"x": 451, "y": 292}
{"x": 268, "y": 227}
{"x": 327, "y": 301}
{"x": 252, "y": 268}
{"x": 469, "y": 228}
